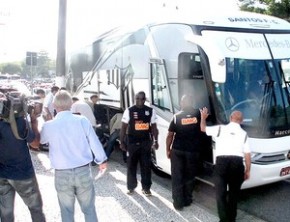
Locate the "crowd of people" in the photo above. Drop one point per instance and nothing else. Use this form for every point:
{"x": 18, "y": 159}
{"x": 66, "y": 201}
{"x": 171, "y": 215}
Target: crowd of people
{"x": 72, "y": 130}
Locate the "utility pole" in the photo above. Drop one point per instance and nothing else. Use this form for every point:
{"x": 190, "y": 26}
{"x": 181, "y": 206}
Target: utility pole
{"x": 31, "y": 60}
{"x": 61, "y": 44}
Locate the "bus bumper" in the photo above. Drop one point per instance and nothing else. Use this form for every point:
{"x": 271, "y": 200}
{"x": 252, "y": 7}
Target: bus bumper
{"x": 266, "y": 174}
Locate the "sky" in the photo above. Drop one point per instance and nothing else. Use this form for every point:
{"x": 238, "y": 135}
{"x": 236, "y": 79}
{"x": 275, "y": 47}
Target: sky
{"x": 31, "y": 25}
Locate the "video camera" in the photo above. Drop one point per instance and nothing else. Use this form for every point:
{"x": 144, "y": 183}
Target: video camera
{"x": 12, "y": 101}
{"x": 16, "y": 103}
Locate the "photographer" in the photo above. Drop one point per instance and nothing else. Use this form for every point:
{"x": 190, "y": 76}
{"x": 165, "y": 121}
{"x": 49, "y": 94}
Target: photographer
{"x": 16, "y": 170}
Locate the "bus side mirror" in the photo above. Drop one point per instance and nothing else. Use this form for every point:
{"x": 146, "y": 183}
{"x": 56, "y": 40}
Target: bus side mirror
{"x": 216, "y": 59}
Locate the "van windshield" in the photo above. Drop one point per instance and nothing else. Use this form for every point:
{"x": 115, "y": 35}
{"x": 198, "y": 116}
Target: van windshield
{"x": 260, "y": 89}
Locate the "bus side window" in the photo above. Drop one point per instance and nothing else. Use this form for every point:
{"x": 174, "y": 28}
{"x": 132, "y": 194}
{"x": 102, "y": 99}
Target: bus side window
{"x": 160, "y": 90}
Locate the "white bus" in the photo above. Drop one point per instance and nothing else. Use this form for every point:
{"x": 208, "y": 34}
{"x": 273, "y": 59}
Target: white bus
{"x": 228, "y": 62}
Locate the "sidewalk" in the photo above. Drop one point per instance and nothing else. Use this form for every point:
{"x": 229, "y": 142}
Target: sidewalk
{"x": 112, "y": 202}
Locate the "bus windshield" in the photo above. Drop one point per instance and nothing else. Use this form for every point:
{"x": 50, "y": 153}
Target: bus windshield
{"x": 260, "y": 89}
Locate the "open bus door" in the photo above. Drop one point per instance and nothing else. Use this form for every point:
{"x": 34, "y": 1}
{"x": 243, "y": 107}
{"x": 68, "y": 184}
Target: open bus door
{"x": 191, "y": 81}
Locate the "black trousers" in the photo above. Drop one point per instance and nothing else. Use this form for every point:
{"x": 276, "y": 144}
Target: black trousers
{"x": 184, "y": 167}
{"x": 139, "y": 153}
{"x": 229, "y": 172}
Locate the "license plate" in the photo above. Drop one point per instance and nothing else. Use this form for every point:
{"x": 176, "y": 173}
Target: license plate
{"x": 285, "y": 171}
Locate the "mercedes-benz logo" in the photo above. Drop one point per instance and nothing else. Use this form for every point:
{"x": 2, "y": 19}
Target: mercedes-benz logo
{"x": 232, "y": 44}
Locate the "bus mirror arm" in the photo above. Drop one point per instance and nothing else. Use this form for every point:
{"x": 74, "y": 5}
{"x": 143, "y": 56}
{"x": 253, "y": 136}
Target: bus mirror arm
{"x": 215, "y": 56}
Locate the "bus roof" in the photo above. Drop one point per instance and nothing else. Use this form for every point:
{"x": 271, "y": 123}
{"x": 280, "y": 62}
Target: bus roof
{"x": 233, "y": 19}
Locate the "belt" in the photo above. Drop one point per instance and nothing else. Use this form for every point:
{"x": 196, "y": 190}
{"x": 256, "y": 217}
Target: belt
{"x": 74, "y": 167}
{"x": 83, "y": 165}
{"x": 229, "y": 157}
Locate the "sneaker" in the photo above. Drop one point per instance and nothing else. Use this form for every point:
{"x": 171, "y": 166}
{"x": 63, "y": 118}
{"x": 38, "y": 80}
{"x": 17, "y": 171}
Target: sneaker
{"x": 147, "y": 193}
{"x": 130, "y": 192}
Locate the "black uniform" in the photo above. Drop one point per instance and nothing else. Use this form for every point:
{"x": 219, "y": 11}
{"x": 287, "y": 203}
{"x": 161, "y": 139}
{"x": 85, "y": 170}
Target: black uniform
{"x": 139, "y": 146}
{"x": 184, "y": 155}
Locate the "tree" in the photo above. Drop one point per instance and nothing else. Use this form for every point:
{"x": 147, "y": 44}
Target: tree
{"x": 253, "y": 6}
{"x": 43, "y": 67}
{"x": 43, "y": 64}
{"x": 278, "y": 8}
{"x": 11, "y": 68}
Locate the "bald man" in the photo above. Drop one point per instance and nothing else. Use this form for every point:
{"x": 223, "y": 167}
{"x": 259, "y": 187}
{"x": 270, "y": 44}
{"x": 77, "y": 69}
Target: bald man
{"x": 231, "y": 147}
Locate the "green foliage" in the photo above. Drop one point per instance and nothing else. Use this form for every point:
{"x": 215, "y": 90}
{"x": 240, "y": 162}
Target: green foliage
{"x": 43, "y": 64}
{"x": 43, "y": 68}
{"x": 10, "y": 68}
{"x": 278, "y": 8}
{"x": 250, "y": 8}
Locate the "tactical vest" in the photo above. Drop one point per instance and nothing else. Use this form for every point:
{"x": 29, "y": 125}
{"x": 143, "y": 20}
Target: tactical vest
{"x": 187, "y": 129}
{"x": 139, "y": 126}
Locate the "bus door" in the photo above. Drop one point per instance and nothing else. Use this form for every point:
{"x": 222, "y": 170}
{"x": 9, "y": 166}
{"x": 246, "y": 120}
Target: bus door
{"x": 161, "y": 100}
{"x": 191, "y": 81}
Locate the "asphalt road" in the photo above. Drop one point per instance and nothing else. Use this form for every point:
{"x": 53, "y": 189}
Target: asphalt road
{"x": 113, "y": 204}
{"x": 267, "y": 203}
{"x": 204, "y": 196}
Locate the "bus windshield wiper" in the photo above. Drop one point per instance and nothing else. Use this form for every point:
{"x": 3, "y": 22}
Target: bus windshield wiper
{"x": 269, "y": 94}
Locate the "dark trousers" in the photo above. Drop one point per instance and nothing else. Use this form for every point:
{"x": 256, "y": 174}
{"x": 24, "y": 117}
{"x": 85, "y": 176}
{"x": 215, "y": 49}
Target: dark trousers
{"x": 139, "y": 152}
{"x": 100, "y": 133}
{"x": 229, "y": 172}
{"x": 28, "y": 190}
{"x": 111, "y": 144}
{"x": 184, "y": 167}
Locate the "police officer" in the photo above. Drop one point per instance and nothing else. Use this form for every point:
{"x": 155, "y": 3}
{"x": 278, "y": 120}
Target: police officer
{"x": 183, "y": 149}
{"x": 141, "y": 123}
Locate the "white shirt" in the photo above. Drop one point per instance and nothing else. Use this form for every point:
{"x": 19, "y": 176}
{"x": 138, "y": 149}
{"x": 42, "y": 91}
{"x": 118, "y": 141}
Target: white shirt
{"x": 48, "y": 103}
{"x": 85, "y": 110}
{"x": 126, "y": 117}
{"x": 72, "y": 140}
{"x": 230, "y": 139}
{"x": 115, "y": 122}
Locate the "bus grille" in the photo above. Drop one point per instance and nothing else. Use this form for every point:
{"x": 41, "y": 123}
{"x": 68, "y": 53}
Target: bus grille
{"x": 269, "y": 159}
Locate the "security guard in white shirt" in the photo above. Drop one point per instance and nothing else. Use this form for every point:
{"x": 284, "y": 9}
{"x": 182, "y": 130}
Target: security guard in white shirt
{"x": 231, "y": 147}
